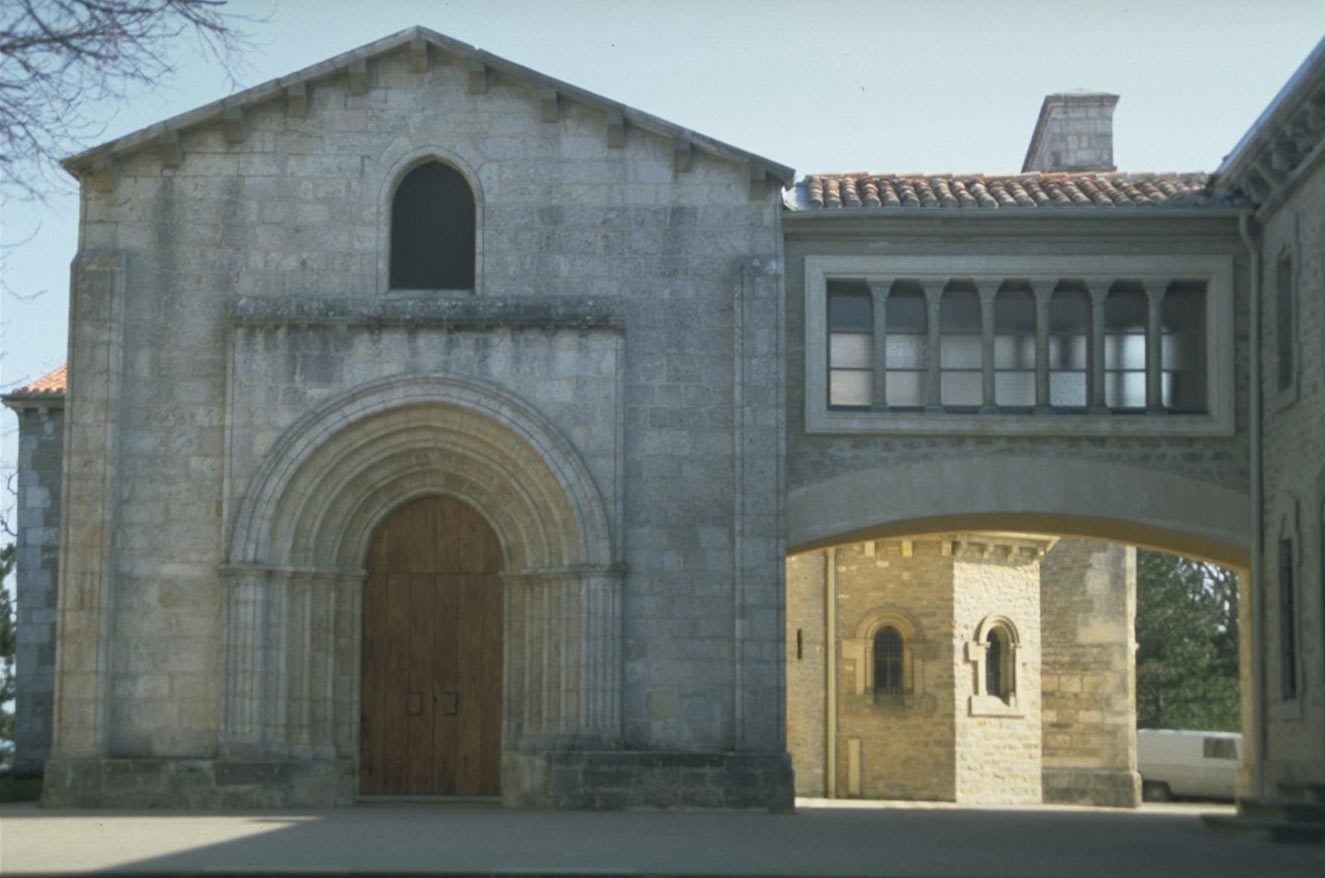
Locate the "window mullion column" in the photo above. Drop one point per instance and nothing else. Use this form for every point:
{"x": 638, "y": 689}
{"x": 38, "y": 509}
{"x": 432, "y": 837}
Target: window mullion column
{"x": 1154, "y": 345}
{"x": 879, "y": 290}
{"x": 1043, "y": 289}
{"x": 1099, "y": 291}
{"x": 933, "y": 300}
{"x": 987, "y": 289}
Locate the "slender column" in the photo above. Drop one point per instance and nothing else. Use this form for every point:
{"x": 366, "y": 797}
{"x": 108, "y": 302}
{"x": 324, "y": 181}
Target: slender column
{"x": 246, "y": 613}
{"x": 1154, "y": 345}
{"x": 563, "y": 659}
{"x": 1044, "y": 290}
{"x": 1099, "y": 291}
{"x": 879, "y": 290}
{"x": 988, "y": 289}
{"x": 933, "y": 298}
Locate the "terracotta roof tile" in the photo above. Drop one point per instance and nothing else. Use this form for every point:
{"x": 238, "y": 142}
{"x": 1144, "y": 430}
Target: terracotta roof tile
{"x": 1010, "y": 191}
{"x": 56, "y": 381}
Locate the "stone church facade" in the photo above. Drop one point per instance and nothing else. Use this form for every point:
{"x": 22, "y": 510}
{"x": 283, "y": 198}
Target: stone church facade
{"x": 648, "y": 392}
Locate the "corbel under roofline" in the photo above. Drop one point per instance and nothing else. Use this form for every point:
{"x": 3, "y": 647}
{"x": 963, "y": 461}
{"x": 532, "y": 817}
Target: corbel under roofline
{"x": 274, "y": 89}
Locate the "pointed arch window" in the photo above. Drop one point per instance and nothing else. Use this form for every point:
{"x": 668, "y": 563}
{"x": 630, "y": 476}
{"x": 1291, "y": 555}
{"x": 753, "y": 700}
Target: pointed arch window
{"x": 432, "y": 230}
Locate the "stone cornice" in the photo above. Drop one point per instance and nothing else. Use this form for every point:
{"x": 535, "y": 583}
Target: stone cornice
{"x": 1285, "y": 143}
{"x": 353, "y": 67}
{"x": 447, "y": 312}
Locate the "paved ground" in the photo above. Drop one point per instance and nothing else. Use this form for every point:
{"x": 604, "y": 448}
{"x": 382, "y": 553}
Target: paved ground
{"x": 880, "y": 839}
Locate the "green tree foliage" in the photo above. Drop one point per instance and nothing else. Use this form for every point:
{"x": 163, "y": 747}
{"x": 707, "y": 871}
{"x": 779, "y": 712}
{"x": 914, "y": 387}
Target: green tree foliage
{"x": 7, "y": 642}
{"x": 1187, "y": 644}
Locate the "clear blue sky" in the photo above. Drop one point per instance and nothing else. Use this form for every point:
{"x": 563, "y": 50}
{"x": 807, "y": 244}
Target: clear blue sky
{"x": 844, "y": 85}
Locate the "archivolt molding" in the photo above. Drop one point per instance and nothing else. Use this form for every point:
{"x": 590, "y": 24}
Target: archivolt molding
{"x": 294, "y": 576}
{"x": 331, "y": 477}
{"x": 1064, "y": 496}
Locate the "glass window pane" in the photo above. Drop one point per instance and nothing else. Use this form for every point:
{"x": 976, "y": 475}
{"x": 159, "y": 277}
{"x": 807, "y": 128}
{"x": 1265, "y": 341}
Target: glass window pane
{"x": 905, "y": 312}
{"x": 905, "y": 388}
{"x": 1014, "y": 312}
{"x": 849, "y": 311}
{"x": 1014, "y": 352}
{"x": 960, "y": 352}
{"x": 962, "y": 388}
{"x": 1014, "y": 388}
{"x": 1067, "y": 352}
{"x": 1069, "y": 312}
{"x": 850, "y": 388}
{"x": 1067, "y": 389}
{"x": 1183, "y": 348}
{"x": 959, "y": 311}
{"x": 1125, "y": 310}
{"x": 1125, "y": 390}
{"x": 1125, "y": 351}
{"x": 850, "y": 350}
{"x": 906, "y": 351}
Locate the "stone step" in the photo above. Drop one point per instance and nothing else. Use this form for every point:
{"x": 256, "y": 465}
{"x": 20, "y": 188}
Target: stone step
{"x": 1290, "y": 810}
{"x": 1284, "y": 831}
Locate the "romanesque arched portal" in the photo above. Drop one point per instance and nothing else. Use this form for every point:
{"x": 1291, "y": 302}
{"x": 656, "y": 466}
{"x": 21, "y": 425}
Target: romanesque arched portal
{"x": 294, "y": 581}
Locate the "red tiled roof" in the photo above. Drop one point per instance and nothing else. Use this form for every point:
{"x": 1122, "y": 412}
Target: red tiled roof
{"x": 1059, "y": 189}
{"x": 53, "y": 382}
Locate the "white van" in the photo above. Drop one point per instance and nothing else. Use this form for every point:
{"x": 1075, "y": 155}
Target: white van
{"x": 1175, "y": 762}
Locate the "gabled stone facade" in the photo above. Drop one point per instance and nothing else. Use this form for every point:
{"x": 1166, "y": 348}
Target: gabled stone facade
{"x": 659, "y": 388}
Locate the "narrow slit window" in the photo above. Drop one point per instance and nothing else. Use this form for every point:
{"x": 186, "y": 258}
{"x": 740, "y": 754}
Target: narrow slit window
{"x": 1287, "y": 623}
{"x": 1284, "y": 333}
{"x": 998, "y": 664}
{"x": 432, "y": 230}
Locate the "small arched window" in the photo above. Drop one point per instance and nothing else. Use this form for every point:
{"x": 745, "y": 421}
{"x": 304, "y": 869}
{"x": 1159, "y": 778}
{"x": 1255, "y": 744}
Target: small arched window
{"x": 432, "y": 230}
{"x": 998, "y": 681}
{"x": 888, "y": 661}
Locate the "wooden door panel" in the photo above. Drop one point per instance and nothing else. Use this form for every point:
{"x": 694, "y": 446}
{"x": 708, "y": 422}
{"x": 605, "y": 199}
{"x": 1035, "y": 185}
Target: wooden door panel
{"x": 432, "y": 654}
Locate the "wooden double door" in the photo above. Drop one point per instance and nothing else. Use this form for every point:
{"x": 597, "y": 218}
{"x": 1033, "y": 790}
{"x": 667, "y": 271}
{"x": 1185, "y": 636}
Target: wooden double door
{"x": 432, "y": 654}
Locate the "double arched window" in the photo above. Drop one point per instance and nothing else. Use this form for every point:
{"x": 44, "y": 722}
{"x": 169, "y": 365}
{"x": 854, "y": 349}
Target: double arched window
{"x": 432, "y": 230}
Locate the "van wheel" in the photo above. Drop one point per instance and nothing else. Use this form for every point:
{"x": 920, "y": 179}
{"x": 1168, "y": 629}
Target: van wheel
{"x": 1155, "y": 791}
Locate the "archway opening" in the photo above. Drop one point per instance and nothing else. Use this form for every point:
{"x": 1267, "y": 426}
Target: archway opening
{"x": 1017, "y": 656}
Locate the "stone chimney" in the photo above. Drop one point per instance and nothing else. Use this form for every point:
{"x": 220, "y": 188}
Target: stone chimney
{"x": 1074, "y": 133}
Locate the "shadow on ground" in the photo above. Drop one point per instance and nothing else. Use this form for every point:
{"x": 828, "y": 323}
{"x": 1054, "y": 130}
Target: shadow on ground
{"x": 484, "y": 840}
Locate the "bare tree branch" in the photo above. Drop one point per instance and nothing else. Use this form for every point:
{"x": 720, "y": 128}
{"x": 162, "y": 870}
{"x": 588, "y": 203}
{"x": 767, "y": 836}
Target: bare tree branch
{"x": 60, "y": 60}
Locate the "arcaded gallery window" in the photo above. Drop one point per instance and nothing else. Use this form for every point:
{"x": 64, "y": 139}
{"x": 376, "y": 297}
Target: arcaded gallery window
{"x": 850, "y": 346}
{"x": 432, "y": 230}
{"x": 961, "y": 373}
{"x": 1014, "y": 348}
{"x": 900, "y": 344}
{"x": 907, "y": 357}
{"x": 1069, "y": 348}
{"x": 1125, "y": 349}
